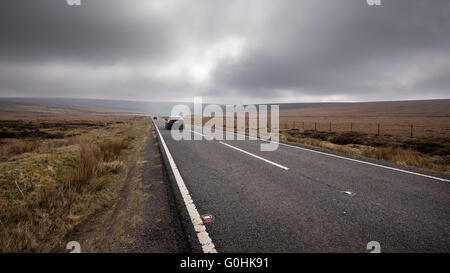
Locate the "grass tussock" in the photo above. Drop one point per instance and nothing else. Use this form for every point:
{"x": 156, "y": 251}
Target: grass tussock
{"x": 402, "y": 156}
{"x": 17, "y": 146}
{"x": 47, "y": 186}
{"x": 97, "y": 159}
{"x": 85, "y": 170}
{"x": 111, "y": 149}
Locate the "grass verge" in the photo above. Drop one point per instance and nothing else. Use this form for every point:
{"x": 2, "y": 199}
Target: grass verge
{"x": 427, "y": 154}
{"x": 48, "y": 188}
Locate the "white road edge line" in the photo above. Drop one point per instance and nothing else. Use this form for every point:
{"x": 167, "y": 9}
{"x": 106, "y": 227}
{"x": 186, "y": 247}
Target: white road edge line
{"x": 360, "y": 161}
{"x": 365, "y": 162}
{"x": 258, "y": 157}
{"x": 202, "y": 234}
{"x": 350, "y": 159}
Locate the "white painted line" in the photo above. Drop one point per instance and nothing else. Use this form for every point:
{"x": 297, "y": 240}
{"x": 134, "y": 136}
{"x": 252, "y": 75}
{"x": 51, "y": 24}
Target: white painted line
{"x": 202, "y": 234}
{"x": 363, "y": 162}
{"x": 197, "y": 133}
{"x": 258, "y": 157}
{"x": 350, "y": 159}
{"x": 347, "y": 158}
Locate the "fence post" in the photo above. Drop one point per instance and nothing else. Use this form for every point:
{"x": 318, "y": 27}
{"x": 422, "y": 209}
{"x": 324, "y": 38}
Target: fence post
{"x": 315, "y": 126}
{"x": 294, "y": 125}
{"x": 330, "y": 126}
{"x": 303, "y": 126}
{"x": 411, "y": 130}
{"x": 378, "y": 130}
{"x": 351, "y": 126}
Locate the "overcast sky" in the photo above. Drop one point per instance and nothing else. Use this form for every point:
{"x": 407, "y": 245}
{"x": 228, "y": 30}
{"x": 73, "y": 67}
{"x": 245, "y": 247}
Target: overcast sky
{"x": 243, "y": 51}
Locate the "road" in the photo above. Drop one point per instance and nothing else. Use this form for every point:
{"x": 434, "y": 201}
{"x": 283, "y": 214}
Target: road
{"x": 316, "y": 203}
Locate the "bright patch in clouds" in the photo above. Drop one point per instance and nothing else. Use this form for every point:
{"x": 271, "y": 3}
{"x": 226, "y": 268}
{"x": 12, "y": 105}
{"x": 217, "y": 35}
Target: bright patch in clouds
{"x": 197, "y": 61}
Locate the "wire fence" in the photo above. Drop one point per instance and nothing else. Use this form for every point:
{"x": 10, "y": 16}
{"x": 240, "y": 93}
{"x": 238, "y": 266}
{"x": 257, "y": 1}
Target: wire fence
{"x": 412, "y": 128}
{"x": 374, "y": 128}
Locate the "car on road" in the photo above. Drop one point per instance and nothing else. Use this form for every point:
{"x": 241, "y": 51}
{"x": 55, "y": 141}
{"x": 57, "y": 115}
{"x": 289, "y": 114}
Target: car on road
{"x": 176, "y": 121}
{"x": 155, "y": 117}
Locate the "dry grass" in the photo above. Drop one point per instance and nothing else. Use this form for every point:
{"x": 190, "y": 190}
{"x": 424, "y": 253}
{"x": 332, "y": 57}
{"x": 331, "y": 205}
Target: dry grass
{"x": 86, "y": 168}
{"x": 111, "y": 149}
{"x": 19, "y": 136}
{"x": 399, "y": 151}
{"x": 48, "y": 185}
{"x": 95, "y": 158}
{"x": 17, "y": 146}
{"x": 403, "y": 156}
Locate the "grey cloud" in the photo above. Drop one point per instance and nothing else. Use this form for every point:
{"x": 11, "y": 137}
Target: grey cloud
{"x": 341, "y": 47}
{"x": 98, "y": 31}
{"x": 291, "y": 49}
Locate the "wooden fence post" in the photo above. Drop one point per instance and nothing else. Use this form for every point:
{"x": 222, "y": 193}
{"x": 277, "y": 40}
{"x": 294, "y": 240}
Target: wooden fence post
{"x": 411, "y": 130}
{"x": 330, "y": 126}
{"x": 351, "y": 126}
{"x": 315, "y": 126}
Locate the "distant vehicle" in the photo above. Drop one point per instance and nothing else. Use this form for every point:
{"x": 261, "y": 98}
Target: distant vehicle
{"x": 178, "y": 122}
{"x": 155, "y": 117}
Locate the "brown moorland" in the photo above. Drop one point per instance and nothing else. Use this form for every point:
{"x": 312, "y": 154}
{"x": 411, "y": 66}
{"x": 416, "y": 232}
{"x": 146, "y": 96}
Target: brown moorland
{"x": 58, "y": 169}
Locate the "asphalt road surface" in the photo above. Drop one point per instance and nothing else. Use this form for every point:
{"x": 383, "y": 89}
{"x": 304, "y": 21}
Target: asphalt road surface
{"x": 299, "y": 200}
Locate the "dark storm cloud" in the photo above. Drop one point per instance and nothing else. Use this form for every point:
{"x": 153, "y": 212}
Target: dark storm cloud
{"x": 97, "y": 31}
{"x": 249, "y": 50}
{"x": 344, "y": 47}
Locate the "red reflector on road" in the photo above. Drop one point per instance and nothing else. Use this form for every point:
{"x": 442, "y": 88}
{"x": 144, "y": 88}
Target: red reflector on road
{"x": 207, "y": 218}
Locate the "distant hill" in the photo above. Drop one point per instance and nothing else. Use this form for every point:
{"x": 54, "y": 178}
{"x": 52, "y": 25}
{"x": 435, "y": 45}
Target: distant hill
{"x": 76, "y": 105}
{"x": 413, "y": 108}
{"x": 99, "y": 106}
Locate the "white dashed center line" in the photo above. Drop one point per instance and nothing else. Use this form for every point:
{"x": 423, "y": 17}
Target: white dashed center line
{"x": 258, "y": 157}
